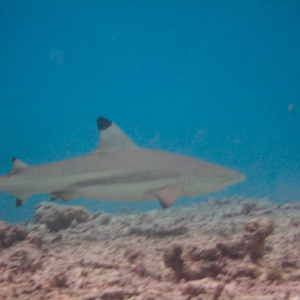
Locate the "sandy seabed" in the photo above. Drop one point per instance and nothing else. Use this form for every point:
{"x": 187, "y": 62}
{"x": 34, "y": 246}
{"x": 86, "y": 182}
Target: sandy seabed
{"x": 232, "y": 248}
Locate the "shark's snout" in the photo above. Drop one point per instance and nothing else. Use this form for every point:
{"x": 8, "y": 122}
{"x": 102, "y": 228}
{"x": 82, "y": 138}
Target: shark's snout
{"x": 233, "y": 178}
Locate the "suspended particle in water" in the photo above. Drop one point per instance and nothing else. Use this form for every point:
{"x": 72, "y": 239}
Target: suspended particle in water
{"x": 290, "y": 107}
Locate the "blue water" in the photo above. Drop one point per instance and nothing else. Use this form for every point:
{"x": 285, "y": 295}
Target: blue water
{"x": 217, "y": 80}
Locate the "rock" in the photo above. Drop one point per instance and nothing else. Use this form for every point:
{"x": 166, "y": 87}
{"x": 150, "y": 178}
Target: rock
{"x": 252, "y": 242}
{"x": 132, "y": 254}
{"x": 160, "y": 231}
{"x": 101, "y": 218}
{"x": 193, "y": 288}
{"x": 258, "y": 229}
{"x": 23, "y": 257}
{"x": 190, "y": 270}
{"x": 172, "y": 256}
{"x": 194, "y": 271}
{"x": 234, "y": 249}
{"x": 11, "y": 234}
{"x": 210, "y": 262}
{"x": 58, "y": 217}
{"x": 172, "y": 259}
{"x": 241, "y": 269}
{"x": 99, "y": 259}
{"x": 197, "y": 253}
{"x": 199, "y": 270}
{"x": 205, "y": 286}
{"x": 59, "y": 280}
{"x": 117, "y": 294}
{"x": 273, "y": 274}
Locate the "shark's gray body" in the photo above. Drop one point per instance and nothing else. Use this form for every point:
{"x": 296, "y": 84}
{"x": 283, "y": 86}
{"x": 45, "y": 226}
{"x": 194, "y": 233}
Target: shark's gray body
{"x": 119, "y": 170}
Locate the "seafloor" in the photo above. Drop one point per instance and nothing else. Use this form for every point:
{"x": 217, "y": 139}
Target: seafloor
{"x": 232, "y": 248}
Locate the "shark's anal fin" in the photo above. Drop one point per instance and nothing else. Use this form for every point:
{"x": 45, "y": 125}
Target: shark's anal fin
{"x": 112, "y": 137}
{"x": 167, "y": 195}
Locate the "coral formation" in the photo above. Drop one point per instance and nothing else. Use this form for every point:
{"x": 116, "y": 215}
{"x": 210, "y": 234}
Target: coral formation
{"x": 57, "y": 217}
{"x": 252, "y": 242}
{"x": 220, "y": 249}
{"x": 11, "y": 234}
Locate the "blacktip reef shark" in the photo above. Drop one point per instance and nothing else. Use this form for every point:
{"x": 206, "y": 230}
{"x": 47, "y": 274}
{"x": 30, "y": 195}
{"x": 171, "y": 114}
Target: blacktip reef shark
{"x": 118, "y": 170}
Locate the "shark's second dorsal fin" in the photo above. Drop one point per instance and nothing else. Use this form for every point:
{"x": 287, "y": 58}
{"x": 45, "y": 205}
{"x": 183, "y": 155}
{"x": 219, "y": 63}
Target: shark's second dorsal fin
{"x": 17, "y": 165}
{"x": 112, "y": 137}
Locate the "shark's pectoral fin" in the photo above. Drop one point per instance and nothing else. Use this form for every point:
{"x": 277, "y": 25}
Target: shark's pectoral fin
{"x": 167, "y": 195}
{"x": 112, "y": 138}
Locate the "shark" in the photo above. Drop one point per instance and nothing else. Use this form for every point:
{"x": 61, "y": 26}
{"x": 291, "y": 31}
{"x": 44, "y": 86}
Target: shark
{"x": 118, "y": 170}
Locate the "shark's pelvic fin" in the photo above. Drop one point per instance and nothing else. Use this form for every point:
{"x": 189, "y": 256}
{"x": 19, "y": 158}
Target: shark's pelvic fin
{"x": 112, "y": 138}
{"x": 17, "y": 166}
{"x": 167, "y": 195}
{"x": 19, "y": 202}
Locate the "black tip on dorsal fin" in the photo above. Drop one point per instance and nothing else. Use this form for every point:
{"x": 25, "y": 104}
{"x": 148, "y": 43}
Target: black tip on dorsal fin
{"x": 112, "y": 138}
{"x": 103, "y": 123}
{"x": 19, "y": 202}
{"x": 17, "y": 165}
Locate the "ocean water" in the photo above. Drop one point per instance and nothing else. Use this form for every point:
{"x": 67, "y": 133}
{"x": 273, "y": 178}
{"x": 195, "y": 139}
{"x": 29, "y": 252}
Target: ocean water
{"x": 216, "y": 80}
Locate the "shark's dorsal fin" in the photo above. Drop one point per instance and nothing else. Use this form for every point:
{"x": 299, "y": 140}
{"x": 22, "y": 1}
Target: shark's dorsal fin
{"x": 17, "y": 165}
{"x": 112, "y": 138}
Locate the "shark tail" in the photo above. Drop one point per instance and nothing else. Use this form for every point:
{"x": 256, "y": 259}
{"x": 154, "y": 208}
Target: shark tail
{"x": 17, "y": 167}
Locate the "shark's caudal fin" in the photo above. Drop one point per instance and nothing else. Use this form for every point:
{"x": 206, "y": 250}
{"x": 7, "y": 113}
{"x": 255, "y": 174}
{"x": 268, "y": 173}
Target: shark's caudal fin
{"x": 112, "y": 138}
{"x": 18, "y": 166}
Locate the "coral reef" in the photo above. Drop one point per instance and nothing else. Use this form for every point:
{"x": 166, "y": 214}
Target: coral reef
{"x": 251, "y": 243}
{"x": 11, "y": 234}
{"x": 220, "y": 249}
{"x": 57, "y": 217}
